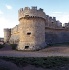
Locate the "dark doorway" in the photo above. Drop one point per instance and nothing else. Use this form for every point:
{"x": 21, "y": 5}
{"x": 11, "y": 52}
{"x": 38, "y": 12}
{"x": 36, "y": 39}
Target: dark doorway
{"x": 26, "y": 47}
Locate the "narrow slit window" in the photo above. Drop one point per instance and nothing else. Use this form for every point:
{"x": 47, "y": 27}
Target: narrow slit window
{"x": 29, "y": 33}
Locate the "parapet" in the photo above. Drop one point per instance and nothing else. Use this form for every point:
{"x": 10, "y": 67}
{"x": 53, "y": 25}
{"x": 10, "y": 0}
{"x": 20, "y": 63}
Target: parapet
{"x": 31, "y": 12}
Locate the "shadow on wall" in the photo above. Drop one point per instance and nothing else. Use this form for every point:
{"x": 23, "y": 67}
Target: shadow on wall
{"x": 51, "y": 38}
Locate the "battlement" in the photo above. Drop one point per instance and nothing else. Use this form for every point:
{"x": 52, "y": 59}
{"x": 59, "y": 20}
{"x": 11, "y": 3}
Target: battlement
{"x": 31, "y": 12}
{"x": 27, "y": 8}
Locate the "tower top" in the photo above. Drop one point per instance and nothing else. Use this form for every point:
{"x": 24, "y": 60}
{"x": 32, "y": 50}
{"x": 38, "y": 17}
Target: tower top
{"x": 31, "y": 12}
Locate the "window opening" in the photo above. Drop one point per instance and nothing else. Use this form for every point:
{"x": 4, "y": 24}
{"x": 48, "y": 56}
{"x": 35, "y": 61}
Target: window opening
{"x": 26, "y": 47}
{"x": 29, "y": 33}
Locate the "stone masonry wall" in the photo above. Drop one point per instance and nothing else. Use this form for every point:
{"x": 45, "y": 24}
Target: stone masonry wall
{"x": 7, "y": 35}
{"x": 14, "y": 35}
{"x": 53, "y": 36}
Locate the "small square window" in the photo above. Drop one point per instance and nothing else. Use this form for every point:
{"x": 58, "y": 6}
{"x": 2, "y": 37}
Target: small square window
{"x": 26, "y": 47}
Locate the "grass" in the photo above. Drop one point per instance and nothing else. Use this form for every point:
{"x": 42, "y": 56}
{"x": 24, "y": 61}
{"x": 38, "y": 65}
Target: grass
{"x": 44, "y": 62}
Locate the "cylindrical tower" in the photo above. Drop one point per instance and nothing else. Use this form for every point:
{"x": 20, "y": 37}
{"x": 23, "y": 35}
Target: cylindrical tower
{"x": 7, "y": 35}
{"x": 32, "y": 29}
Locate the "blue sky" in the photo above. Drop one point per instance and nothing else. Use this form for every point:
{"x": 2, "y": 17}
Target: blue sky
{"x": 9, "y": 10}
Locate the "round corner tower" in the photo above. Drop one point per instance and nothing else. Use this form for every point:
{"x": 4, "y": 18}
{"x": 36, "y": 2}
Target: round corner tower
{"x": 7, "y": 35}
{"x": 32, "y": 28}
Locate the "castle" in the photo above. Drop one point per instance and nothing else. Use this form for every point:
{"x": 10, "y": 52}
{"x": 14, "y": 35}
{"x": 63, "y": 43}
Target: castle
{"x": 36, "y": 30}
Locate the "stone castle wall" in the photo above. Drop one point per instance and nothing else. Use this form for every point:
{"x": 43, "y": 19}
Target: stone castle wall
{"x": 36, "y": 30}
{"x": 14, "y": 35}
{"x": 53, "y": 36}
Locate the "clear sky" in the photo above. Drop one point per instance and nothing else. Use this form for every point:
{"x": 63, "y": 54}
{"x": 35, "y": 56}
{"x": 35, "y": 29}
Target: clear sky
{"x": 9, "y": 10}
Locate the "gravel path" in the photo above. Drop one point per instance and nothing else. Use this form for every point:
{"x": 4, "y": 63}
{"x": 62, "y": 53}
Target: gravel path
{"x": 30, "y": 54}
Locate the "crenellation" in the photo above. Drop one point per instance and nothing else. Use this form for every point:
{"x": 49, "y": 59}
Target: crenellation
{"x": 34, "y": 7}
{"x": 47, "y": 21}
{"x": 54, "y": 18}
{"x": 50, "y": 22}
{"x": 40, "y": 9}
{"x": 20, "y": 10}
{"x": 47, "y": 16}
{"x": 31, "y": 12}
{"x": 50, "y": 18}
{"x": 26, "y": 9}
